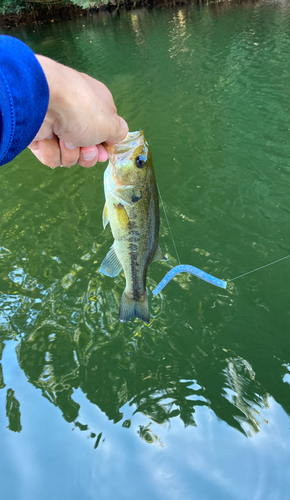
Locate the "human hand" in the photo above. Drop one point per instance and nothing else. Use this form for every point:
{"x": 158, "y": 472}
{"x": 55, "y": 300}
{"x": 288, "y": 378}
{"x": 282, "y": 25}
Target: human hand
{"x": 81, "y": 116}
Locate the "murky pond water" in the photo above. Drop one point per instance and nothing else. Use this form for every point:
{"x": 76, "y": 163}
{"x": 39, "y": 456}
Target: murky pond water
{"x": 195, "y": 406}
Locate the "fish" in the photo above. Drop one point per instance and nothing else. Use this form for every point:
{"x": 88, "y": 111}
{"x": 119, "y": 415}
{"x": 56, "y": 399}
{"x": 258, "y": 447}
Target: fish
{"x": 132, "y": 209}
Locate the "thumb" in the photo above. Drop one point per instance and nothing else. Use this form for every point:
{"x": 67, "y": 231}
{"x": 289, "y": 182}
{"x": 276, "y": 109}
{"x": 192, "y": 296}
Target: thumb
{"x": 119, "y": 130}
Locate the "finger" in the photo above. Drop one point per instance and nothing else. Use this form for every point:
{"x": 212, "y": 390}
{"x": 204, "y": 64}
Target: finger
{"x": 33, "y": 145}
{"x": 88, "y": 156}
{"x": 69, "y": 154}
{"x": 102, "y": 153}
{"x": 49, "y": 152}
{"x": 35, "y": 152}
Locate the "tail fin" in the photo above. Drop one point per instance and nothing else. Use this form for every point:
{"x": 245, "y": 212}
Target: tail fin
{"x": 130, "y": 307}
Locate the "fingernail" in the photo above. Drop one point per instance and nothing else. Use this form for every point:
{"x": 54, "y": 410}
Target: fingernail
{"x": 68, "y": 145}
{"x": 51, "y": 136}
{"x": 89, "y": 156}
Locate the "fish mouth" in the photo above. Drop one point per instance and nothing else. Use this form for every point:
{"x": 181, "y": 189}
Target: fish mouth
{"x": 120, "y": 152}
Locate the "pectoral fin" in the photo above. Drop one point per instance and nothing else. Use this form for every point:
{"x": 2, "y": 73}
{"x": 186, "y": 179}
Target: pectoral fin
{"x": 159, "y": 254}
{"x": 111, "y": 265}
{"x": 105, "y": 215}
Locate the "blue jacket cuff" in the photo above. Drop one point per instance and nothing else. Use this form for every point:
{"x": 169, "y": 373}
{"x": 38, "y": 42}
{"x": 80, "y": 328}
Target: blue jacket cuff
{"x": 24, "y": 97}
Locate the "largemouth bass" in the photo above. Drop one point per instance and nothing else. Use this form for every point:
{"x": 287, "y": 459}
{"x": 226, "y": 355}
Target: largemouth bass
{"x": 133, "y": 212}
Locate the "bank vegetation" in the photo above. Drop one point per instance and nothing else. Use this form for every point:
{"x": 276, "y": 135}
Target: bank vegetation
{"x": 16, "y": 12}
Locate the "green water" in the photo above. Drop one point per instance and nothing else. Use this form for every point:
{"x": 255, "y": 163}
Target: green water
{"x": 195, "y": 406}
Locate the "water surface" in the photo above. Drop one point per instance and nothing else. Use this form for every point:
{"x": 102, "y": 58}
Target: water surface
{"x": 195, "y": 406}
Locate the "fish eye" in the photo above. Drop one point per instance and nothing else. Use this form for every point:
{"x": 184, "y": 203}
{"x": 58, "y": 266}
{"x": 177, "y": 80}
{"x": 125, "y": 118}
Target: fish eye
{"x": 140, "y": 161}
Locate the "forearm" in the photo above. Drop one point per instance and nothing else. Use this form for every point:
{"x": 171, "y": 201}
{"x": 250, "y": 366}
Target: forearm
{"x": 62, "y": 82}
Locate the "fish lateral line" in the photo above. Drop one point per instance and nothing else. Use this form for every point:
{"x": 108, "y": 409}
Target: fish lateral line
{"x": 186, "y": 268}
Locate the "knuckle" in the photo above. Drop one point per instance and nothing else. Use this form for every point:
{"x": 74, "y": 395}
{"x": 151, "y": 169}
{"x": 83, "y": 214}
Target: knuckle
{"x": 68, "y": 157}
{"x": 52, "y": 164}
{"x": 49, "y": 153}
{"x": 87, "y": 164}
{"x": 49, "y": 162}
{"x": 68, "y": 160}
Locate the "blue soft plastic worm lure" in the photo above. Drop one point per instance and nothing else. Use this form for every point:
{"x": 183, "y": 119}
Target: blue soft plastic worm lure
{"x": 184, "y": 268}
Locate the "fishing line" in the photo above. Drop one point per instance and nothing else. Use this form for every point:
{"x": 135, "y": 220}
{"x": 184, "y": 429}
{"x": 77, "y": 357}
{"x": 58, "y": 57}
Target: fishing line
{"x": 258, "y": 268}
{"x": 198, "y": 272}
{"x": 168, "y": 225}
{"x": 184, "y": 268}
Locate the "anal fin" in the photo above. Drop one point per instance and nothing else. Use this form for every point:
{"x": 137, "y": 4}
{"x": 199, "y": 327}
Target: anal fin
{"x": 111, "y": 266}
{"x": 159, "y": 254}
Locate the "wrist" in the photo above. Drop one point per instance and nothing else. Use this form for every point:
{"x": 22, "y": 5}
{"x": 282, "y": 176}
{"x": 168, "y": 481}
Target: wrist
{"x": 60, "y": 93}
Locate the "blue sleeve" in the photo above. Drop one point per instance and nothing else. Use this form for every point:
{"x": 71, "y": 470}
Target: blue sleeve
{"x": 24, "y": 97}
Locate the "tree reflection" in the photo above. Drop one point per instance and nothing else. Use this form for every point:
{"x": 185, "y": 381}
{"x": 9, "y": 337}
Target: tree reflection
{"x": 13, "y": 411}
{"x": 161, "y": 374}
{"x": 148, "y": 435}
